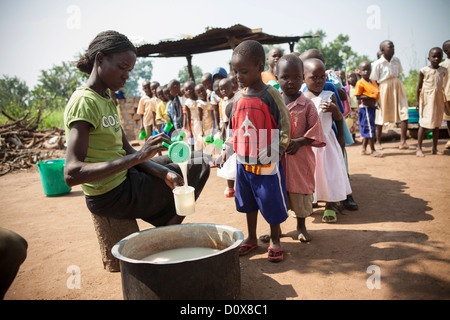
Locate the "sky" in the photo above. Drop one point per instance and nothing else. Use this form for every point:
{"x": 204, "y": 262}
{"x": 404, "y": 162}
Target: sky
{"x": 36, "y": 35}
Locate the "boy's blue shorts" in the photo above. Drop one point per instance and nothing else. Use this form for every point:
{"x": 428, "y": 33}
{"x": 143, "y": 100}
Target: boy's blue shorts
{"x": 266, "y": 193}
{"x": 366, "y": 119}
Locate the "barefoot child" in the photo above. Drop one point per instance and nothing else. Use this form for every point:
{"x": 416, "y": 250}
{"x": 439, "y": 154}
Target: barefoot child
{"x": 367, "y": 91}
{"x": 446, "y": 64}
{"x": 299, "y": 161}
{"x": 430, "y": 99}
{"x": 332, "y": 184}
{"x": 261, "y": 130}
{"x": 393, "y": 101}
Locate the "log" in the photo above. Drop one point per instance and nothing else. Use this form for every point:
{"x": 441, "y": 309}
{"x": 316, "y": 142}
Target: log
{"x": 110, "y": 231}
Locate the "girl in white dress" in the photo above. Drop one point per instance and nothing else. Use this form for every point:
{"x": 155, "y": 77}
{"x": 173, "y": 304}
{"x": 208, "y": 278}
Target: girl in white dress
{"x": 332, "y": 184}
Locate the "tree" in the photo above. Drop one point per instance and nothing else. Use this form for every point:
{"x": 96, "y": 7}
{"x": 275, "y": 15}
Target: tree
{"x": 56, "y": 85}
{"x": 337, "y": 53}
{"x": 142, "y": 71}
{"x": 14, "y": 96}
{"x": 183, "y": 74}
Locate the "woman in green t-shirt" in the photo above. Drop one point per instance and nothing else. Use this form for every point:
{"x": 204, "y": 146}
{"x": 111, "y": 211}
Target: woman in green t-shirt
{"x": 117, "y": 180}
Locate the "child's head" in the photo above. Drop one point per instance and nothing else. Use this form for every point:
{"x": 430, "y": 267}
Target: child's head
{"x": 167, "y": 94}
{"x": 387, "y": 48}
{"x": 111, "y": 56}
{"x": 273, "y": 56}
{"x": 289, "y": 73}
{"x": 218, "y": 74}
{"x": 200, "y": 91}
{"x": 312, "y": 54}
{"x": 189, "y": 89}
{"x": 233, "y": 79}
{"x": 352, "y": 78}
{"x": 146, "y": 88}
{"x": 153, "y": 86}
{"x": 226, "y": 88}
{"x": 365, "y": 68}
{"x": 207, "y": 81}
{"x": 315, "y": 75}
{"x": 160, "y": 93}
{"x": 248, "y": 63}
{"x": 435, "y": 56}
{"x": 341, "y": 75}
{"x": 446, "y": 48}
{"x": 174, "y": 87}
{"x": 216, "y": 89}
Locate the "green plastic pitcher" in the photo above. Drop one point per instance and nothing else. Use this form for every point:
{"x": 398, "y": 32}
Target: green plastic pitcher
{"x": 179, "y": 151}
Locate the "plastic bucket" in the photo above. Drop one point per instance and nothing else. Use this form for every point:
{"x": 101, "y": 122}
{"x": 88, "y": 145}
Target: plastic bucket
{"x": 413, "y": 115}
{"x": 52, "y": 177}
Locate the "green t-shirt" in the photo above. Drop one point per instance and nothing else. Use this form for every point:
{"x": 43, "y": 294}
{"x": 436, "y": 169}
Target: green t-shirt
{"x": 105, "y": 136}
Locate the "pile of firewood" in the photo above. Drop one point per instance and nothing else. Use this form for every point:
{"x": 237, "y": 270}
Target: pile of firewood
{"x": 22, "y": 144}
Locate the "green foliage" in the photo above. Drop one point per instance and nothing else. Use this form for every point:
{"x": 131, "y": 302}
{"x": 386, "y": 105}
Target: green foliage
{"x": 337, "y": 53}
{"x": 142, "y": 71}
{"x": 410, "y": 83}
{"x": 183, "y": 74}
{"x": 54, "y": 89}
{"x": 14, "y": 96}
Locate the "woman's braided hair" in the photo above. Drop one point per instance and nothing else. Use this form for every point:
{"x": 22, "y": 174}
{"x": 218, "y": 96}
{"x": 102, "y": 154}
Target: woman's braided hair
{"x": 107, "y": 42}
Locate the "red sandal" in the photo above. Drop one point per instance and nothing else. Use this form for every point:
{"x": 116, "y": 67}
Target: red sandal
{"x": 229, "y": 192}
{"x": 275, "y": 255}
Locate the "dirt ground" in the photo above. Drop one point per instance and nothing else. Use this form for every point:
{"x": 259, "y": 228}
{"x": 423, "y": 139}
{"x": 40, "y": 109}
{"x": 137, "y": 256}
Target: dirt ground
{"x": 402, "y": 229}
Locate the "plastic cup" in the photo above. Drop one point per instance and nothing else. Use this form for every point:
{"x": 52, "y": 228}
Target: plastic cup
{"x": 168, "y": 127}
{"x": 209, "y": 139}
{"x": 179, "y": 137}
{"x": 143, "y": 135}
{"x": 184, "y": 200}
{"x": 218, "y": 143}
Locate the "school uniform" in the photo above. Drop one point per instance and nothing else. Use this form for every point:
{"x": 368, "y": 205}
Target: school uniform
{"x": 393, "y": 100}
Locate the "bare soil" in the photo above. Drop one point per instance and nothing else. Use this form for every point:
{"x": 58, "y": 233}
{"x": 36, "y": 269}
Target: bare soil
{"x": 402, "y": 228}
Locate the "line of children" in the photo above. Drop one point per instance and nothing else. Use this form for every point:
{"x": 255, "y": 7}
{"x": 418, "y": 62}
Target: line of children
{"x": 293, "y": 123}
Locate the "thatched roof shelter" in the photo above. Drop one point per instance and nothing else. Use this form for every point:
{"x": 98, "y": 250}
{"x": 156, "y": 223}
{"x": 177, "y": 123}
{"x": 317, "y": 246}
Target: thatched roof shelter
{"x": 213, "y": 39}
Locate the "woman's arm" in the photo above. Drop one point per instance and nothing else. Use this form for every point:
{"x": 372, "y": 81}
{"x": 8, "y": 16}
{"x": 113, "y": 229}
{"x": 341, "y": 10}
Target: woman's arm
{"x": 76, "y": 171}
{"x": 171, "y": 178}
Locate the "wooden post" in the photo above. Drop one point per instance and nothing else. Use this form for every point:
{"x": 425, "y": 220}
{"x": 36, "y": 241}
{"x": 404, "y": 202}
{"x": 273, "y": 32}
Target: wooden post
{"x": 191, "y": 73}
{"x": 109, "y": 232}
{"x": 291, "y": 46}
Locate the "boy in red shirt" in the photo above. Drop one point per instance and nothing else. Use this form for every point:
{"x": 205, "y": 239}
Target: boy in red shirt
{"x": 261, "y": 132}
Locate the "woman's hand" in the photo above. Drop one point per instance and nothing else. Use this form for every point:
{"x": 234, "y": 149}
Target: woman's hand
{"x": 153, "y": 145}
{"x": 173, "y": 180}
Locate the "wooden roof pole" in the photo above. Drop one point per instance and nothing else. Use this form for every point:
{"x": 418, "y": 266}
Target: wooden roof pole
{"x": 189, "y": 66}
